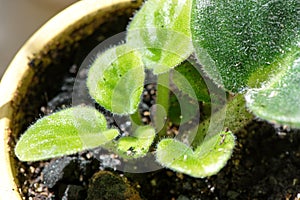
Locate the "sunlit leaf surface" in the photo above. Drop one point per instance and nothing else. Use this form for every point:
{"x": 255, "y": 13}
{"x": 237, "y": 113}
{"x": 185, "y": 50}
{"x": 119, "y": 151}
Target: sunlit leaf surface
{"x": 279, "y": 100}
{"x": 161, "y": 32}
{"x": 116, "y": 79}
{"x": 209, "y": 157}
{"x": 138, "y": 144}
{"x": 64, "y": 132}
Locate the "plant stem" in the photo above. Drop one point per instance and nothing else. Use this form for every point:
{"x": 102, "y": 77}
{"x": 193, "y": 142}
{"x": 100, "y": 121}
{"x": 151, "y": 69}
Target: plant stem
{"x": 162, "y": 101}
{"x": 136, "y": 120}
{"x": 237, "y": 117}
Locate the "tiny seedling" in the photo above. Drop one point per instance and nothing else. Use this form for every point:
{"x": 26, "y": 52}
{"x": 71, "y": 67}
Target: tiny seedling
{"x": 251, "y": 49}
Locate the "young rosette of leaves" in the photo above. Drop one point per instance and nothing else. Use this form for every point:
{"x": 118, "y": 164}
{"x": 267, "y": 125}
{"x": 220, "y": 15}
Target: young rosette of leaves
{"x": 138, "y": 144}
{"x": 234, "y": 39}
{"x": 116, "y": 78}
{"x": 65, "y": 132}
{"x": 208, "y": 159}
{"x": 279, "y": 100}
{"x": 160, "y": 30}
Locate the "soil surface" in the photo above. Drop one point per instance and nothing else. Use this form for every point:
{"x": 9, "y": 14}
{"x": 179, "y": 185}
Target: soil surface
{"x": 265, "y": 165}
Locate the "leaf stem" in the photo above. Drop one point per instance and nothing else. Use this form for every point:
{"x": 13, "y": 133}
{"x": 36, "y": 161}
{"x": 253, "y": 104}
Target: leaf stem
{"x": 162, "y": 104}
{"x": 237, "y": 117}
{"x": 136, "y": 120}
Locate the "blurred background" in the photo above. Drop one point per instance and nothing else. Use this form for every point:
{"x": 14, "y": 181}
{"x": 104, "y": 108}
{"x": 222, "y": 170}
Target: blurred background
{"x": 19, "y": 19}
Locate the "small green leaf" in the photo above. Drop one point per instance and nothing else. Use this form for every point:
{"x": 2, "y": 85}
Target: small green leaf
{"x": 116, "y": 78}
{"x": 234, "y": 39}
{"x": 278, "y": 100}
{"x": 188, "y": 80}
{"x": 64, "y": 132}
{"x": 136, "y": 146}
{"x": 161, "y": 32}
{"x": 206, "y": 160}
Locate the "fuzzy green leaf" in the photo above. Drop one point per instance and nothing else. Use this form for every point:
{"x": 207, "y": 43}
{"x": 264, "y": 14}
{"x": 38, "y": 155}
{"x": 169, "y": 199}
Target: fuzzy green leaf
{"x": 234, "y": 39}
{"x": 279, "y": 100}
{"x": 205, "y": 161}
{"x": 137, "y": 145}
{"x": 161, "y": 32}
{"x": 188, "y": 80}
{"x": 116, "y": 78}
{"x": 64, "y": 132}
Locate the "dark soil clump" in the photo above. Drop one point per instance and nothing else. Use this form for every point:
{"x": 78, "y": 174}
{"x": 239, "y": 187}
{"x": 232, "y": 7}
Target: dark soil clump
{"x": 105, "y": 185}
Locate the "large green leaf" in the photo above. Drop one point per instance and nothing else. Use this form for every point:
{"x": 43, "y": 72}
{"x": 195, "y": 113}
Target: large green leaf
{"x": 116, "y": 79}
{"x": 161, "y": 31}
{"x": 206, "y": 160}
{"x": 279, "y": 100}
{"x": 64, "y": 132}
{"x": 234, "y": 39}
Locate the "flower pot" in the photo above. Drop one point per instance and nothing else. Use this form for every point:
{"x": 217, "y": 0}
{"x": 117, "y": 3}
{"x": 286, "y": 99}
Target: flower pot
{"x": 264, "y": 165}
{"x": 36, "y": 67}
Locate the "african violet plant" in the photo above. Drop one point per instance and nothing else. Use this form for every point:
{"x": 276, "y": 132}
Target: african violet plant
{"x": 251, "y": 49}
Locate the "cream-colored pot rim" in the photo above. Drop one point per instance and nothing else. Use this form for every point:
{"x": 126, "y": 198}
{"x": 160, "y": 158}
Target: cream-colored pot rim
{"x": 18, "y": 69}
